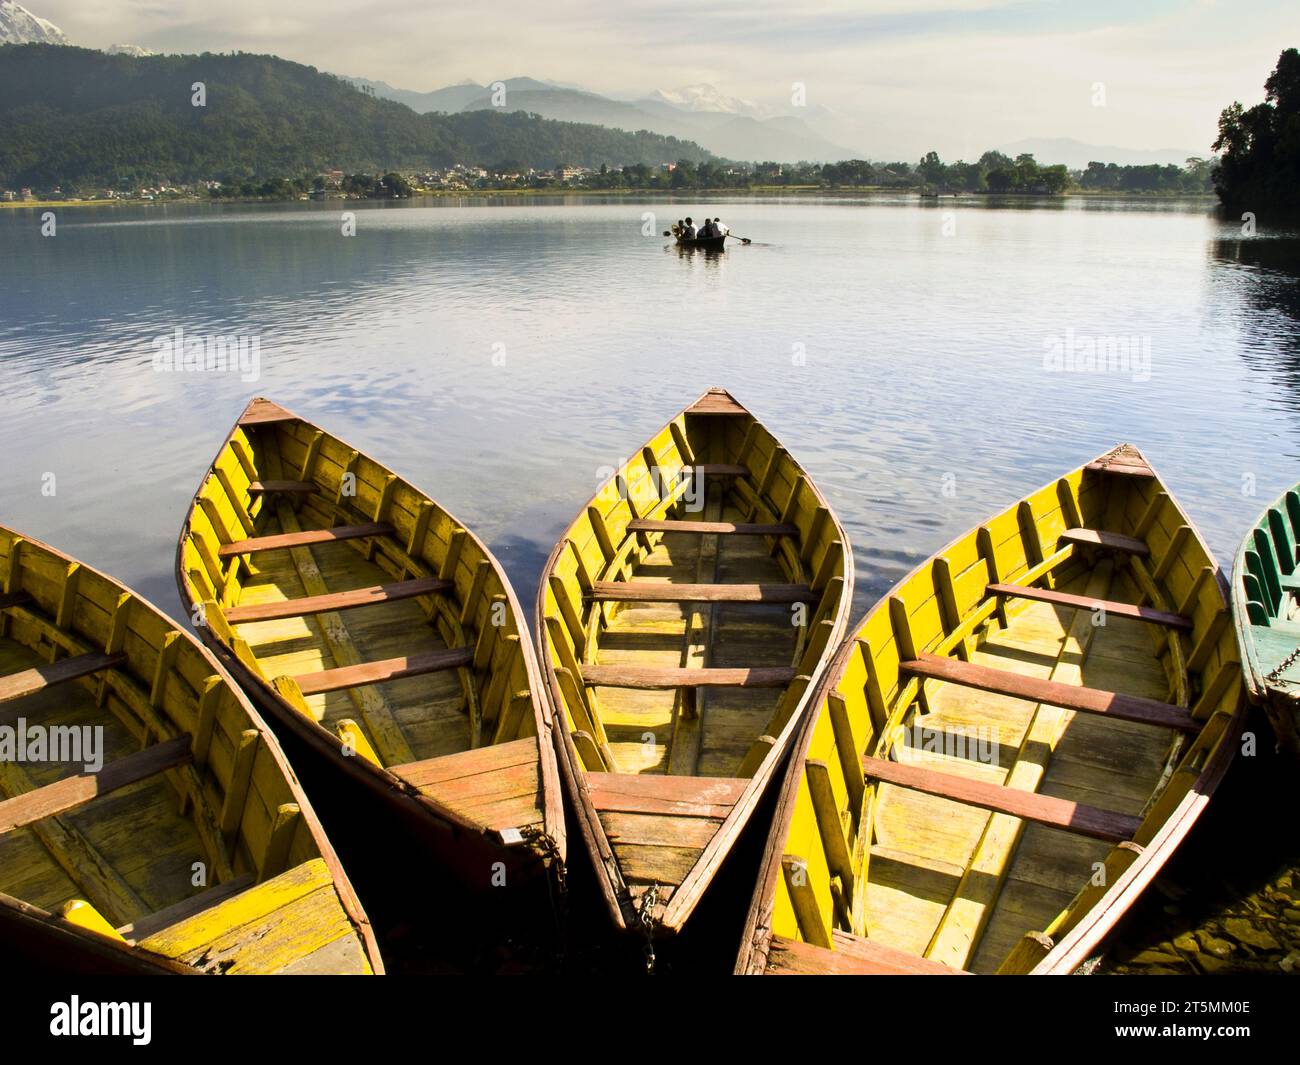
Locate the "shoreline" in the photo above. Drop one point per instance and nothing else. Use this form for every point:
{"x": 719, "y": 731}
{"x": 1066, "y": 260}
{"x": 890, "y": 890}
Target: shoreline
{"x": 755, "y": 191}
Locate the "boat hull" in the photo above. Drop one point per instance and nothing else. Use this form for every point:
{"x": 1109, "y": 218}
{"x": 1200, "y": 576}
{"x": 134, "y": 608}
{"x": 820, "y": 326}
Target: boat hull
{"x": 676, "y": 700}
{"x": 452, "y": 737}
{"x": 1267, "y": 618}
{"x": 1055, "y": 690}
{"x": 703, "y": 244}
{"x": 239, "y": 875}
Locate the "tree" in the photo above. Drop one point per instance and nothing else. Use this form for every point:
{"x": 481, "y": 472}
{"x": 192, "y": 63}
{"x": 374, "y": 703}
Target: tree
{"x": 1054, "y": 179}
{"x": 1260, "y": 146}
{"x": 931, "y": 169}
{"x": 1002, "y": 179}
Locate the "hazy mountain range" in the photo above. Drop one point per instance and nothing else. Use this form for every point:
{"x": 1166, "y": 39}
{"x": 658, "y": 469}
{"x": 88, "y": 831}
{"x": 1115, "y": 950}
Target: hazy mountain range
{"x": 735, "y": 129}
{"x": 727, "y": 126}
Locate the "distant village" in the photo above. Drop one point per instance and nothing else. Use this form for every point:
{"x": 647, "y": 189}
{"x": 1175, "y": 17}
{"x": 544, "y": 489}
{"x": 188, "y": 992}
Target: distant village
{"x": 336, "y": 184}
{"x": 994, "y": 173}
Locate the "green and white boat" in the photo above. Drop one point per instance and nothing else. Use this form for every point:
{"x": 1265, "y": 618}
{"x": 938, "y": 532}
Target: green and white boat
{"x": 1266, "y": 606}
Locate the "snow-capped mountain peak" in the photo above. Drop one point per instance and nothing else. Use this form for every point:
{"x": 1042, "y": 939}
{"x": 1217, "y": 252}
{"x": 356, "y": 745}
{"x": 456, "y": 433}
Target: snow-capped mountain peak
{"x": 704, "y": 97}
{"x": 20, "y": 26}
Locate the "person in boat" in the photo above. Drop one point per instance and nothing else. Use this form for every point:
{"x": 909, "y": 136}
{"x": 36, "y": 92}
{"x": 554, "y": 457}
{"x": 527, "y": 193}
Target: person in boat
{"x": 706, "y": 231}
{"x": 719, "y": 229}
{"x": 688, "y": 232}
{"x": 679, "y": 230}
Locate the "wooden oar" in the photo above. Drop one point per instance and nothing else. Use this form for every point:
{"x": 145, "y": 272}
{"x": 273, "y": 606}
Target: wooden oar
{"x": 743, "y": 240}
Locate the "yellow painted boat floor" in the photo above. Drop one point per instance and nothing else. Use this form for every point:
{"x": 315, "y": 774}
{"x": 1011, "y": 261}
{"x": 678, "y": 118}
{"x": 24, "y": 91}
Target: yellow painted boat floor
{"x": 131, "y": 854}
{"x": 498, "y": 786}
{"x": 924, "y": 844}
{"x": 429, "y": 709}
{"x": 677, "y": 773}
{"x": 136, "y": 837}
{"x": 644, "y": 726}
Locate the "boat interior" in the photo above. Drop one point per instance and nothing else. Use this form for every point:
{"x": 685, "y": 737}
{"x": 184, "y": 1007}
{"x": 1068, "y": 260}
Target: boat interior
{"x": 371, "y": 612}
{"x": 1006, "y": 734}
{"x": 684, "y": 612}
{"x": 189, "y": 842}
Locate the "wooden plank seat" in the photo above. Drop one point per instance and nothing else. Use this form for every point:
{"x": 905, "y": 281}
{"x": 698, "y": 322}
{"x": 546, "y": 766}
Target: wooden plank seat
{"x": 1083, "y": 602}
{"x": 718, "y": 469}
{"x": 75, "y": 790}
{"x": 329, "y": 680}
{"x": 1027, "y": 805}
{"x": 322, "y": 604}
{"x": 851, "y": 956}
{"x": 1108, "y": 541}
{"x": 303, "y": 488}
{"x": 302, "y": 539}
{"x": 1054, "y": 693}
{"x": 677, "y": 677}
{"x": 29, "y": 681}
{"x": 735, "y": 527}
{"x": 659, "y": 793}
{"x": 663, "y": 592}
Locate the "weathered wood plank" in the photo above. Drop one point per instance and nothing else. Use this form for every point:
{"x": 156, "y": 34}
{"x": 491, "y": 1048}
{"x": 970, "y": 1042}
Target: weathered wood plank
{"x": 30, "y": 681}
{"x": 322, "y": 604}
{"x": 73, "y": 791}
{"x": 1107, "y": 540}
{"x": 329, "y": 680}
{"x": 1073, "y": 697}
{"x": 790, "y": 957}
{"x": 1030, "y": 806}
{"x": 679, "y": 677}
{"x": 738, "y": 528}
{"x": 302, "y": 539}
{"x": 663, "y": 592}
{"x": 1083, "y": 602}
{"x": 305, "y": 488}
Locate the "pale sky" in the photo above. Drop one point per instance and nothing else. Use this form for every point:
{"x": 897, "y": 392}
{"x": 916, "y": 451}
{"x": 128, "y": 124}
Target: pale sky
{"x": 956, "y": 75}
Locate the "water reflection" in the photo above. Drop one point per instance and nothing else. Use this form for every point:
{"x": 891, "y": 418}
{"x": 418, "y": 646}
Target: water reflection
{"x": 1261, "y": 276}
{"x": 499, "y": 355}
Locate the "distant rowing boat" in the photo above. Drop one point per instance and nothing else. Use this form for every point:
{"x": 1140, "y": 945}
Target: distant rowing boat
{"x": 704, "y": 243}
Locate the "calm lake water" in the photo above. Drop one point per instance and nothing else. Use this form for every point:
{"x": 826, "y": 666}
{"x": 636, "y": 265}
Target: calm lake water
{"x": 498, "y": 355}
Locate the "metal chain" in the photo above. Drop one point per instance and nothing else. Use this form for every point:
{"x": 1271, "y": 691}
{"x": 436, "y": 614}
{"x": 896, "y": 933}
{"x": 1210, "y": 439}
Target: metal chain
{"x": 549, "y": 851}
{"x": 1282, "y": 666}
{"x": 646, "y": 920}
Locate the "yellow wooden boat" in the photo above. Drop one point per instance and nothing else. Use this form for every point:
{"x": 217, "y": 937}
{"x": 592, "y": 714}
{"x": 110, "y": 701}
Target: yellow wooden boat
{"x": 1010, "y": 745}
{"x": 383, "y": 635}
{"x": 681, "y": 619}
{"x": 149, "y": 822}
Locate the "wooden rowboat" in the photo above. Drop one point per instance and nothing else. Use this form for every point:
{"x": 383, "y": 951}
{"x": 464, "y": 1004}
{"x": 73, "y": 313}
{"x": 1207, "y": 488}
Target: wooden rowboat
{"x": 681, "y": 619}
{"x": 1009, "y": 747}
{"x": 703, "y": 243}
{"x": 1265, "y": 590}
{"x": 184, "y": 844}
{"x": 382, "y": 634}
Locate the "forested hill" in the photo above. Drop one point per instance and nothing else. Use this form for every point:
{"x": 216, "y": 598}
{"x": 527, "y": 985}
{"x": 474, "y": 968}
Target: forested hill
{"x": 72, "y": 116}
